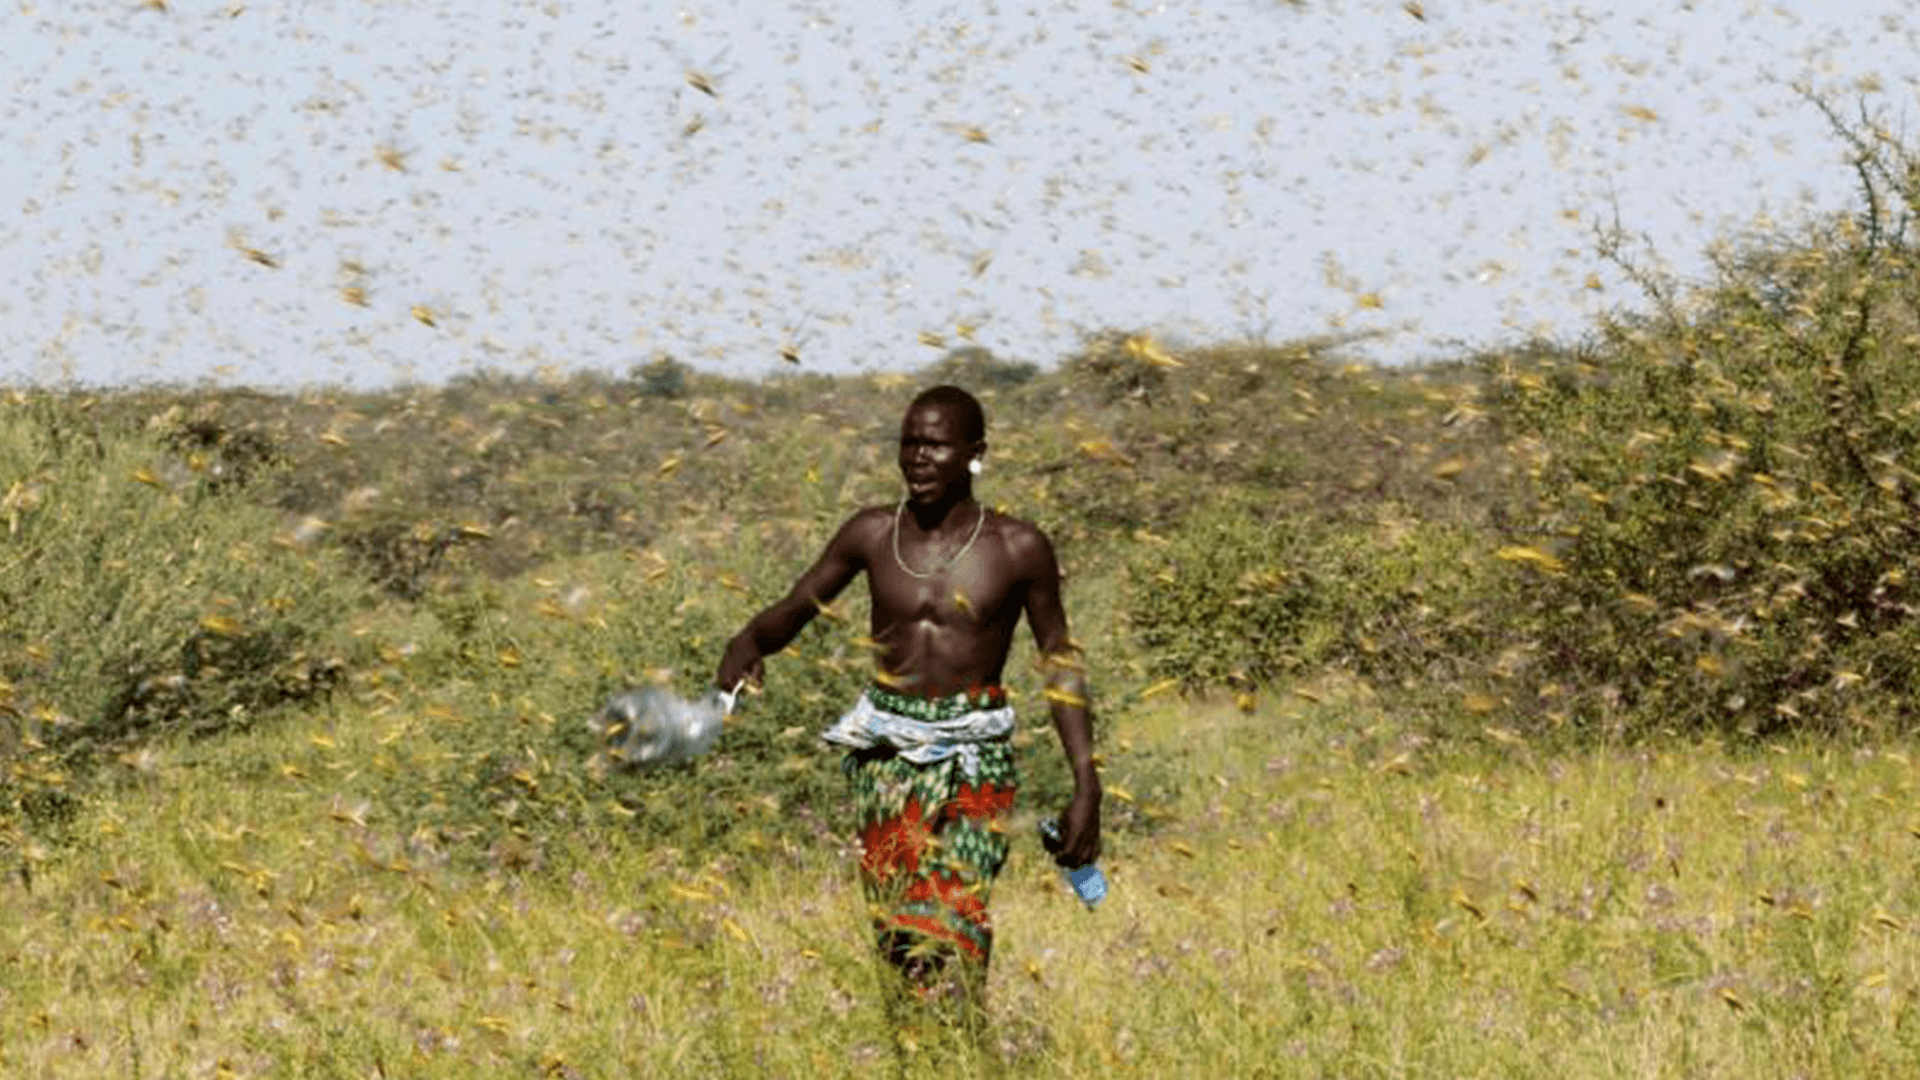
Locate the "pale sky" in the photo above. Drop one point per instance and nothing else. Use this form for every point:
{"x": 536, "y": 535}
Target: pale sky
{"x": 270, "y": 193}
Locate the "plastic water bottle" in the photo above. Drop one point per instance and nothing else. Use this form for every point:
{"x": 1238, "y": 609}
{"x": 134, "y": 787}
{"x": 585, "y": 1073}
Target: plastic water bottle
{"x": 654, "y": 726}
{"x": 1087, "y": 882}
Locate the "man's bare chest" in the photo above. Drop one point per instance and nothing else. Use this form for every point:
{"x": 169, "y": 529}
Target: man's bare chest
{"x": 969, "y": 593}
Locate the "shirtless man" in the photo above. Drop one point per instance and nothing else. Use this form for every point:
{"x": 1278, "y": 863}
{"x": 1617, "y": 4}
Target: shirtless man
{"x": 928, "y": 745}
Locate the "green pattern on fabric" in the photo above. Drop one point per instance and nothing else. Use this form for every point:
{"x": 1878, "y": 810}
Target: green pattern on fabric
{"x": 932, "y": 841}
{"x": 935, "y": 710}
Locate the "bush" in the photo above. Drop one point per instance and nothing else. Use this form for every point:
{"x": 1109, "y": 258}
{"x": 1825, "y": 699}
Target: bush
{"x": 140, "y": 597}
{"x": 519, "y": 668}
{"x": 1238, "y": 596}
{"x": 664, "y": 378}
{"x": 1725, "y": 520}
{"x": 1234, "y": 595}
{"x": 1118, "y": 365}
{"x": 976, "y": 367}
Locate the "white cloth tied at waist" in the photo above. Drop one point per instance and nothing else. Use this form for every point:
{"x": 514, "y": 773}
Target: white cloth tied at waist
{"x": 922, "y": 742}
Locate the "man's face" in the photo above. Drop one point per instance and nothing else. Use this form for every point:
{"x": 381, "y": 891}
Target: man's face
{"x": 933, "y": 454}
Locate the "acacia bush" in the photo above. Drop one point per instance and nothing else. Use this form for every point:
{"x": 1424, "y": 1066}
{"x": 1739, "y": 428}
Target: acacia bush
{"x": 1723, "y": 527}
{"x": 142, "y": 596}
{"x": 1241, "y": 596}
{"x": 516, "y": 670}
{"x": 1233, "y": 595}
{"x": 977, "y": 368}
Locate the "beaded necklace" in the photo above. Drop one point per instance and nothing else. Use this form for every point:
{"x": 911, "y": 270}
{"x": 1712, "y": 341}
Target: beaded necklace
{"x": 957, "y": 556}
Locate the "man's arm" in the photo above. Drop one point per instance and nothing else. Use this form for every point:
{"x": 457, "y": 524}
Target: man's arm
{"x": 1066, "y": 682}
{"x": 773, "y": 629}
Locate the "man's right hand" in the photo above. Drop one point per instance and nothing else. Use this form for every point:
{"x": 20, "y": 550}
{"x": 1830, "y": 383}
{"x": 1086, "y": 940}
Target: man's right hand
{"x": 742, "y": 663}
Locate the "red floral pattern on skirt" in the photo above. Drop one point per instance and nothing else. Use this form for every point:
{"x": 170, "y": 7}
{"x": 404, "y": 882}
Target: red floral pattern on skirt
{"x": 933, "y": 840}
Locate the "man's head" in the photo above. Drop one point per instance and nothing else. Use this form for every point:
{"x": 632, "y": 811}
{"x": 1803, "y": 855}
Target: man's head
{"x": 966, "y": 409}
{"x": 943, "y": 432}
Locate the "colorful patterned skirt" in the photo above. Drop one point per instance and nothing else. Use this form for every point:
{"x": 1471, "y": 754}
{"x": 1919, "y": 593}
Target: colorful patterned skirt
{"x": 933, "y": 838}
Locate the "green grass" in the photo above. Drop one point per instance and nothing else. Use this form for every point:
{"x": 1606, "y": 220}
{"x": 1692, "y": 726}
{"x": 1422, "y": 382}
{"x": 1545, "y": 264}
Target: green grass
{"x": 1324, "y": 892}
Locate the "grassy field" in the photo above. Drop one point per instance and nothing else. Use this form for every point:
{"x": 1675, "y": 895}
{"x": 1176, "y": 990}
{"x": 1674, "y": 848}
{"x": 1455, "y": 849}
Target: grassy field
{"x": 1328, "y": 895}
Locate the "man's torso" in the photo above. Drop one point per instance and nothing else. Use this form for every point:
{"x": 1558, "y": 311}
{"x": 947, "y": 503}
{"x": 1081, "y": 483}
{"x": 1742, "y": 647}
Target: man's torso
{"x": 944, "y": 624}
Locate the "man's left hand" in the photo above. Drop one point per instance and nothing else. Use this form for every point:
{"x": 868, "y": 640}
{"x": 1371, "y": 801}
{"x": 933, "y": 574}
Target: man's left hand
{"x": 1080, "y": 828}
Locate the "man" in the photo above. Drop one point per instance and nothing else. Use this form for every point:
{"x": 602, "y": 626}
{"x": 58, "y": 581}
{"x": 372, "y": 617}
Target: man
{"x": 928, "y": 745}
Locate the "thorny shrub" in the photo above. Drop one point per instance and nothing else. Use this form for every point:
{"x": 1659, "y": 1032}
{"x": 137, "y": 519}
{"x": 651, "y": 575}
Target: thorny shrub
{"x": 1727, "y": 508}
{"x": 142, "y": 596}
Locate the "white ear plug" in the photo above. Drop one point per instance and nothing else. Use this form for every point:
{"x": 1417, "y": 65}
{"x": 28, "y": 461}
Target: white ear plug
{"x": 974, "y": 466}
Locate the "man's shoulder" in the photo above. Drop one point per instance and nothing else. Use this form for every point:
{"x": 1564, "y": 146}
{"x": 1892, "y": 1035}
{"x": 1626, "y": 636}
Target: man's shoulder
{"x": 1022, "y": 539}
{"x": 866, "y": 524}
{"x": 1013, "y": 528}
